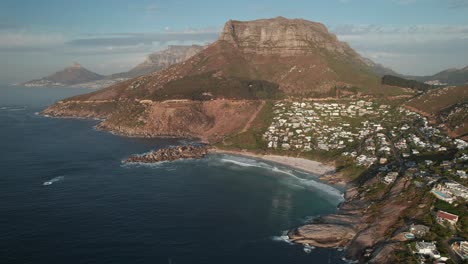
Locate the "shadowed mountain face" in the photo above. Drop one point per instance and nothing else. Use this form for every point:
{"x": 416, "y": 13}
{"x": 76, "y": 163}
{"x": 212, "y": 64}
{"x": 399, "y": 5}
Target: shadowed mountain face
{"x": 72, "y": 75}
{"x": 301, "y": 57}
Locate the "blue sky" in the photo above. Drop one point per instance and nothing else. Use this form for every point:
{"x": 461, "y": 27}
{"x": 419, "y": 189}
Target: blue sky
{"x": 108, "y": 36}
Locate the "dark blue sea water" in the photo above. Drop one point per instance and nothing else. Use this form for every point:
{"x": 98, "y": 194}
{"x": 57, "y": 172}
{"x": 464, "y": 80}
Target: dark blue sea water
{"x": 222, "y": 209}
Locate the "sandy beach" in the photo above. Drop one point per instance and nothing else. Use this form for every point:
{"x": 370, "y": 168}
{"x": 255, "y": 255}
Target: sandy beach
{"x": 326, "y": 172}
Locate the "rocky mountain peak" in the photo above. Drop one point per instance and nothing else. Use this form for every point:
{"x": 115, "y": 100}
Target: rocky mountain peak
{"x": 280, "y": 35}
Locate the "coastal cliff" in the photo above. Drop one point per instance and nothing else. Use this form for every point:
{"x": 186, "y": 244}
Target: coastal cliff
{"x": 205, "y": 120}
{"x": 367, "y": 222}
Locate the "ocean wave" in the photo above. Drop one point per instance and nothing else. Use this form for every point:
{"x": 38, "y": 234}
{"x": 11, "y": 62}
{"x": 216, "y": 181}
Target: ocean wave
{"x": 307, "y": 248}
{"x": 53, "y": 180}
{"x": 303, "y": 182}
{"x": 13, "y": 108}
{"x": 283, "y": 238}
{"x": 161, "y": 165}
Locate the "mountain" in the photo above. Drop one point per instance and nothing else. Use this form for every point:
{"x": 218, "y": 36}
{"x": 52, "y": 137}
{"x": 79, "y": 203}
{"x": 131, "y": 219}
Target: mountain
{"x": 449, "y": 77}
{"x": 251, "y": 60}
{"x": 300, "y": 57}
{"x": 71, "y": 75}
{"x": 161, "y": 60}
{"x": 78, "y": 76}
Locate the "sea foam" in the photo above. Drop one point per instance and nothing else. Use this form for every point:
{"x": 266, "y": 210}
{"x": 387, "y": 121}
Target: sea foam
{"x": 296, "y": 180}
{"x": 53, "y": 180}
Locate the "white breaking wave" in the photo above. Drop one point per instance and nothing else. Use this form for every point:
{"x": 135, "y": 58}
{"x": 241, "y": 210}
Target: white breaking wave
{"x": 283, "y": 238}
{"x": 307, "y": 248}
{"x": 311, "y": 183}
{"x": 11, "y": 108}
{"x": 53, "y": 180}
{"x": 242, "y": 164}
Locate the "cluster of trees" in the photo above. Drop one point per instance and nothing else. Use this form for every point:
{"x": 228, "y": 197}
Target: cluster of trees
{"x": 206, "y": 87}
{"x": 405, "y": 83}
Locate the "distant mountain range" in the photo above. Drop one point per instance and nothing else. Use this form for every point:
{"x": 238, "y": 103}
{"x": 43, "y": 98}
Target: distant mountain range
{"x": 161, "y": 60}
{"x": 451, "y": 77}
{"x": 78, "y": 76}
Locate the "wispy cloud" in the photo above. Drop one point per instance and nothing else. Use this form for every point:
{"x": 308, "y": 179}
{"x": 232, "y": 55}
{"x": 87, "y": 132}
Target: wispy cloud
{"x": 402, "y": 47}
{"x": 458, "y": 3}
{"x": 22, "y": 40}
{"x": 126, "y": 39}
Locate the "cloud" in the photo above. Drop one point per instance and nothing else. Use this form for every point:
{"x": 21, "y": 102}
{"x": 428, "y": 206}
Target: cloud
{"x": 458, "y": 3}
{"x": 128, "y": 39}
{"x": 27, "y": 40}
{"x": 431, "y": 47}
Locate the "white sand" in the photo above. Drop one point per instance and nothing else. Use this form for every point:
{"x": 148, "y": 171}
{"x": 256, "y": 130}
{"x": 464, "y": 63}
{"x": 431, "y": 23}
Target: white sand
{"x": 306, "y": 165}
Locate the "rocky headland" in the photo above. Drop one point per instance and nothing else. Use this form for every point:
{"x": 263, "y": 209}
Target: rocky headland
{"x": 170, "y": 154}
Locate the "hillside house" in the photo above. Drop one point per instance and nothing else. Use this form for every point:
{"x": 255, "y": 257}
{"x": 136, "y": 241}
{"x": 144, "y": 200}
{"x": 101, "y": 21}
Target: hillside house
{"x": 443, "y": 217}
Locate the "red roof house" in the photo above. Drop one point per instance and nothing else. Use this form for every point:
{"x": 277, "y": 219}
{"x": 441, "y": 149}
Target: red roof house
{"x": 446, "y": 217}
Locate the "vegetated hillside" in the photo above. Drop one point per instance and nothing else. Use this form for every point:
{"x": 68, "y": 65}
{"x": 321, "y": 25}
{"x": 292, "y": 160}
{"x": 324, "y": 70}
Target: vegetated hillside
{"x": 405, "y": 83}
{"x": 453, "y": 77}
{"x": 69, "y": 76}
{"x": 301, "y": 57}
{"x": 448, "y": 106}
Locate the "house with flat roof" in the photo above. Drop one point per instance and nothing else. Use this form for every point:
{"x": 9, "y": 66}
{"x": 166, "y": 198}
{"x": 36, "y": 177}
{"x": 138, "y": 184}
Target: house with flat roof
{"x": 427, "y": 249}
{"x": 443, "y": 217}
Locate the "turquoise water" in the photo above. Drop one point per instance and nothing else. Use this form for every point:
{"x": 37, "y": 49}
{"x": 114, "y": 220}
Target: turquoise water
{"x": 65, "y": 197}
{"x": 443, "y": 195}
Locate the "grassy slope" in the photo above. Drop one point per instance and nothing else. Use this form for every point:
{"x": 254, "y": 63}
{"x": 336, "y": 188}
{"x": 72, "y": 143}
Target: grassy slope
{"x": 436, "y": 100}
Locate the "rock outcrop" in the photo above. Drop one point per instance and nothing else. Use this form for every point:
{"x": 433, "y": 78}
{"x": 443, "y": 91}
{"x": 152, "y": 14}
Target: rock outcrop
{"x": 363, "y": 223}
{"x": 170, "y": 154}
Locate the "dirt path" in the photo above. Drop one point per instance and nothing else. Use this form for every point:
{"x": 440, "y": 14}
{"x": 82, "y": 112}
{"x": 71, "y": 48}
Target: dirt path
{"x": 252, "y": 118}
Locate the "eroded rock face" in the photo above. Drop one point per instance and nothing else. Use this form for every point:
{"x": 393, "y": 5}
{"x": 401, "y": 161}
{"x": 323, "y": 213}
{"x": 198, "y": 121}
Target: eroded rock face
{"x": 170, "y": 154}
{"x": 280, "y": 36}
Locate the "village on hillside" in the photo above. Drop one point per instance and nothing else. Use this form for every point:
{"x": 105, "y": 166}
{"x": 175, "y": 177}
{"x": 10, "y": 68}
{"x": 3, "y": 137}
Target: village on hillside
{"x": 396, "y": 142}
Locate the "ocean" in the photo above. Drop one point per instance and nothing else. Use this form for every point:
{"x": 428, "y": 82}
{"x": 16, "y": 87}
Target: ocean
{"x": 65, "y": 197}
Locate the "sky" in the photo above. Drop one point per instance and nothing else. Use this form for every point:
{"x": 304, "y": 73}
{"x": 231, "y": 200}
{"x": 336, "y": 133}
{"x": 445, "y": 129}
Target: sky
{"x": 37, "y": 38}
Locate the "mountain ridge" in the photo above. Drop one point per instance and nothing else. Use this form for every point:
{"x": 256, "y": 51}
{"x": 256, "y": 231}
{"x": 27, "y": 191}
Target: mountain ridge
{"x": 78, "y": 76}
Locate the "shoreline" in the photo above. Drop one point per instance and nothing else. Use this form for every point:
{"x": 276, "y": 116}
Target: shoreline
{"x": 326, "y": 173}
